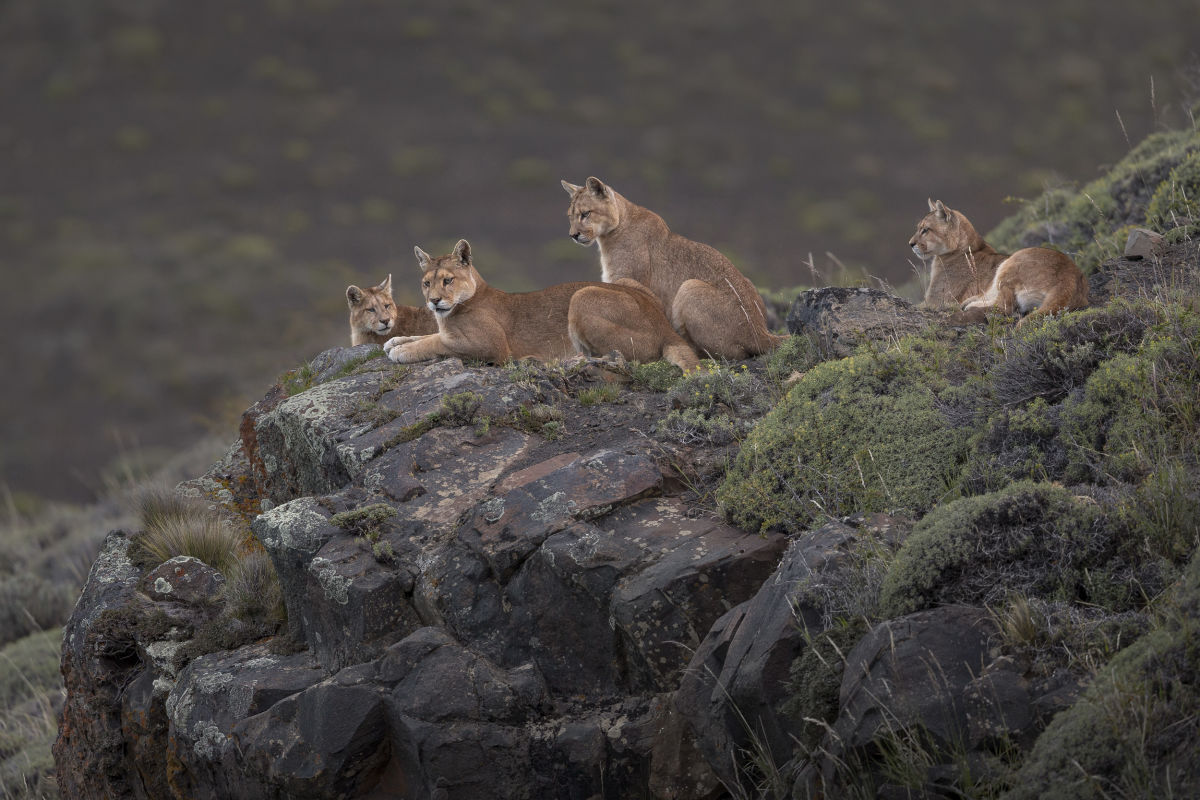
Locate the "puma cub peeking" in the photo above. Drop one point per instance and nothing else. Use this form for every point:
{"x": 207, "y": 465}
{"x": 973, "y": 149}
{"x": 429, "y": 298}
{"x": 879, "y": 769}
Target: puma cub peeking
{"x": 374, "y": 316}
{"x": 475, "y": 320}
{"x": 967, "y": 272}
{"x": 706, "y": 298}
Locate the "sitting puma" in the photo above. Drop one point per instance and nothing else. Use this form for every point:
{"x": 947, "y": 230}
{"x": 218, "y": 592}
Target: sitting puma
{"x": 705, "y": 297}
{"x": 961, "y": 262}
{"x": 969, "y": 273}
{"x": 374, "y": 316}
{"x": 477, "y": 321}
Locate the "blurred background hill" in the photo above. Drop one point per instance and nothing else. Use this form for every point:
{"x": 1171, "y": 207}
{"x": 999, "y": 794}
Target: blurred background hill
{"x": 186, "y": 189}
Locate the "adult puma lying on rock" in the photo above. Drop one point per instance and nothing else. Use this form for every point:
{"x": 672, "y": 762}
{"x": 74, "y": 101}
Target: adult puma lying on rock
{"x": 375, "y": 317}
{"x": 477, "y": 321}
{"x": 967, "y": 272}
{"x": 706, "y": 298}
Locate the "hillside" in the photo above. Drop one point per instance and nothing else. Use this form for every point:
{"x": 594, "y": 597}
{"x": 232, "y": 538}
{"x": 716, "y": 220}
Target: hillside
{"x": 893, "y": 558}
{"x": 186, "y": 189}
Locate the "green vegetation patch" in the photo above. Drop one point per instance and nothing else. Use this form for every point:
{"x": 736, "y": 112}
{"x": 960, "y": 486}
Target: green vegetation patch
{"x": 29, "y": 667}
{"x": 30, "y": 603}
{"x": 815, "y": 679}
{"x": 1134, "y": 731}
{"x": 714, "y": 404}
{"x": 1177, "y": 199}
{"x": 1087, "y": 222}
{"x": 1032, "y": 538}
{"x": 367, "y": 521}
{"x": 863, "y": 433}
{"x": 657, "y": 376}
{"x": 1140, "y": 407}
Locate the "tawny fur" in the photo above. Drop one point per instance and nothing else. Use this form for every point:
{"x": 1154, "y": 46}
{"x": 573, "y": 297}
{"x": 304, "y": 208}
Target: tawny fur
{"x": 478, "y": 321}
{"x": 706, "y": 298}
{"x": 969, "y": 273}
{"x": 961, "y": 263}
{"x": 1033, "y": 281}
{"x": 375, "y": 317}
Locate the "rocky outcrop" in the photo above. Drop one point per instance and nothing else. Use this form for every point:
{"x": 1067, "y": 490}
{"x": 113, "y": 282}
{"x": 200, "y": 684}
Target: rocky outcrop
{"x": 840, "y": 319}
{"x": 515, "y": 629}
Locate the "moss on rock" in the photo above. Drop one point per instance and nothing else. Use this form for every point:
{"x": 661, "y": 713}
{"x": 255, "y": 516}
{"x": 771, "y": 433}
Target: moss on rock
{"x": 863, "y": 433}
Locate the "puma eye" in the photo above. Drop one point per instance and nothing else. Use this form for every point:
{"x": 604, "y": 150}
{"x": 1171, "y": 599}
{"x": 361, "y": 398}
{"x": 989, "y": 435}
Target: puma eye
{"x": 425, "y": 284}
{"x": 585, "y": 215}
{"x": 924, "y": 231}
{"x": 447, "y": 281}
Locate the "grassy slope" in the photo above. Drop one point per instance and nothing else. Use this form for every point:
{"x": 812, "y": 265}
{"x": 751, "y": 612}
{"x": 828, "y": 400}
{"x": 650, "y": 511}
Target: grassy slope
{"x": 1055, "y": 468}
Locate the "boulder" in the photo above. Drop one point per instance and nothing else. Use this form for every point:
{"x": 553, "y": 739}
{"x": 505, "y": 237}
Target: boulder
{"x": 184, "y": 579}
{"x": 840, "y": 319}
{"x": 738, "y": 679}
{"x": 1142, "y": 243}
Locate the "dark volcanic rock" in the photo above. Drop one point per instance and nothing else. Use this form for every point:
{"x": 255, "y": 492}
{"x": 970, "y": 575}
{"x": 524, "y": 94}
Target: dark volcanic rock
{"x": 840, "y": 319}
{"x": 737, "y": 679}
{"x": 186, "y": 579}
{"x": 514, "y": 629}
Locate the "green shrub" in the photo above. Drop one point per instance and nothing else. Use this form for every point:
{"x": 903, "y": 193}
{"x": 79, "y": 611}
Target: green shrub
{"x": 1051, "y": 359}
{"x": 657, "y": 376}
{"x": 1016, "y": 444}
{"x": 1075, "y": 220}
{"x": 711, "y": 386}
{"x": 1163, "y": 516}
{"x": 1134, "y": 731}
{"x": 1030, "y": 538}
{"x": 367, "y": 521}
{"x": 860, "y": 434}
{"x": 690, "y": 426}
{"x": 797, "y": 353}
{"x": 1137, "y": 408}
{"x": 1177, "y": 199}
{"x": 815, "y": 679}
{"x": 459, "y": 409}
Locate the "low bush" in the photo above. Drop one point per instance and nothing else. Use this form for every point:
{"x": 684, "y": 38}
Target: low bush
{"x": 863, "y": 433}
{"x": 1030, "y": 538}
{"x": 1134, "y": 731}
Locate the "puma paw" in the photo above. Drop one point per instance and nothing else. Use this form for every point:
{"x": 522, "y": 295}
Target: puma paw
{"x": 396, "y": 341}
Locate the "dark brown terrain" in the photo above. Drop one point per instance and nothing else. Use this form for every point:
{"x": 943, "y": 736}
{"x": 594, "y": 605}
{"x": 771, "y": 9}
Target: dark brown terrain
{"x": 187, "y": 188}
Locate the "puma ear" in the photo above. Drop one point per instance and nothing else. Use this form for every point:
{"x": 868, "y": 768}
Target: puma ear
{"x": 386, "y": 286}
{"x": 570, "y": 187}
{"x": 596, "y": 187}
{"x": 931, "y": 205}
{"x": 354, "y": 295}
{"x": 941, "y": 210}
{"x": 423, "y": 258}
{"x": 462, "y": 251}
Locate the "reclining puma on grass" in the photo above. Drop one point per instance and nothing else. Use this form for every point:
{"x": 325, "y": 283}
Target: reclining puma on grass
{"x": 968, "y": 273}
{"x": 706, "y": 298}
{"x": 375, "y": 317}
{"x": 476, "y": 320}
